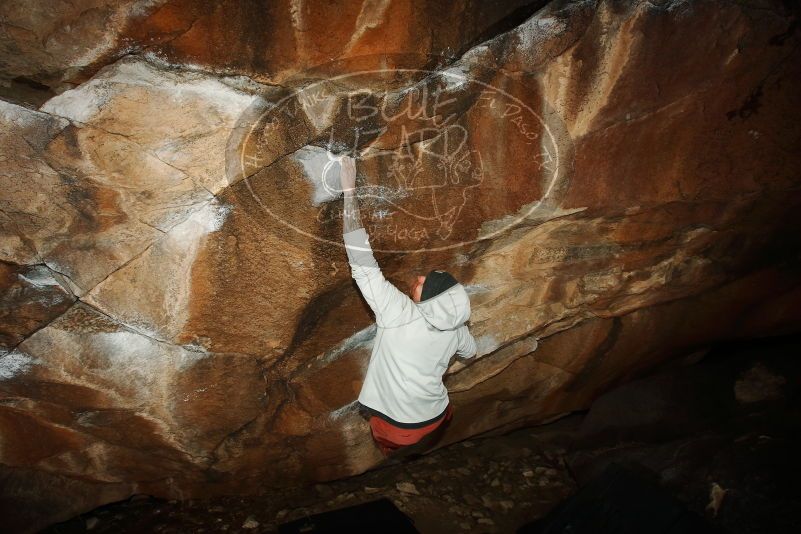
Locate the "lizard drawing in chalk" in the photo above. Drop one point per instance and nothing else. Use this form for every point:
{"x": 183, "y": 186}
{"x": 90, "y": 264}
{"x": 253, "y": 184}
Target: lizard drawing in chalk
{"x": 445, "y": 150}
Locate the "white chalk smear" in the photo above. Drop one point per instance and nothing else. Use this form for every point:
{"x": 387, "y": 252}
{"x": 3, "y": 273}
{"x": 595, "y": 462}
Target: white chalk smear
{"x": 135, "y": 356}
{"x": 39, "y": 276}
{"x": 321, "y": 169}
{"x": 455, "y": 77}
{"x": 349, "y": 408}
{"x": 362, "y": 339}
{"x": 187, "y": 89}
{"x": 486, "y": 344}
{"x": 14, "y": 363}
{"x": 476, "y": 288}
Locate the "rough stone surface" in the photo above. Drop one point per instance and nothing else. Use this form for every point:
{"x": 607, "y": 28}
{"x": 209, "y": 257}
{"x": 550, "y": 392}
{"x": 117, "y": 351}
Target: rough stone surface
{"x": 49, "y": 47}
{"x": 680, "y": 427}
{"x": 178, "y": 317}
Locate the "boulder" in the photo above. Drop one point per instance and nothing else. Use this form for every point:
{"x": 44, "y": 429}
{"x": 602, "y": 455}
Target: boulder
{"x": 616, "y": 184}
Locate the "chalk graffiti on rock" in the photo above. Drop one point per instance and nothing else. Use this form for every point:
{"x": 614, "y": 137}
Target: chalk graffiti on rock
{"x": 424, "y": 157}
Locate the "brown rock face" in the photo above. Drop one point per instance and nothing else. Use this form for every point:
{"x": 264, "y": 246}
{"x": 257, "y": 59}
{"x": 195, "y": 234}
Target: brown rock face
{"x": 617, "y": 184}
{"x": 49, "y": 47}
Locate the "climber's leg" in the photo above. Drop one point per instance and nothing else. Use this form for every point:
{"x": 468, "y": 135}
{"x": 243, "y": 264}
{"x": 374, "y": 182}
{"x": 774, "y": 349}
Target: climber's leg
{"x": 428, "y": 440}
{"x": 390, "y": 438}
{"x": 382, "y": 435}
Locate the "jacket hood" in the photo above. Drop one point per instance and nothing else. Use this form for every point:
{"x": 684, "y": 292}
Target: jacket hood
{"x": 448, "y": 310}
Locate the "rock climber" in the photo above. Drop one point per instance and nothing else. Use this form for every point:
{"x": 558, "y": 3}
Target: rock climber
{"x": 417, "y": 334}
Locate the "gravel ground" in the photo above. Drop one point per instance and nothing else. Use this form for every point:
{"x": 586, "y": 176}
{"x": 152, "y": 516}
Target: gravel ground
{"x": 493, "y": 484}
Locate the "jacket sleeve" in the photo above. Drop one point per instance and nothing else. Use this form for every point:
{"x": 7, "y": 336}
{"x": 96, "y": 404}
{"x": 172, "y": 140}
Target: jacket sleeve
{"x": 391, "y": 306}
{"x": 467, "y": 345}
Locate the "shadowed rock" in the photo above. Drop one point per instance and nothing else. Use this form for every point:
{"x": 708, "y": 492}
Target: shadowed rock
{"x": 615, "y": 185}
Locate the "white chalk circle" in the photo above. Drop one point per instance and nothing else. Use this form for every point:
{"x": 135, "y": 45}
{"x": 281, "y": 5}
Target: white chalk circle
{"x": 444, "y": 145}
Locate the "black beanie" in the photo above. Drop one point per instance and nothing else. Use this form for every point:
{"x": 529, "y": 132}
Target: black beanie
{"x": 437, "y": 282}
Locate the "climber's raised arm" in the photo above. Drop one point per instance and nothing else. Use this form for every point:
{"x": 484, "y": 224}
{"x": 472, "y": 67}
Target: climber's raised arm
{"x": 391, "y": 306}
{"x": 351, "y": 219}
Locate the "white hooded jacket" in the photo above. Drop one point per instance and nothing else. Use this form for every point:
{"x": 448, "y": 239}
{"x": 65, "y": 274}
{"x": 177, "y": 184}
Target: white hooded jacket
{"x": 414, "y": 341}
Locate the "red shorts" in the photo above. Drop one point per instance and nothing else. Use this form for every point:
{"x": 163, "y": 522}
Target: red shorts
{"x": 390, "y": 437}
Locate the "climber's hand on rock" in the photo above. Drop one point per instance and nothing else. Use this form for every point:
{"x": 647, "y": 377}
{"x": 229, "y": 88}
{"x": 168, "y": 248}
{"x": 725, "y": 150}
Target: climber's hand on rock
{"x": 347, "y": 176}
